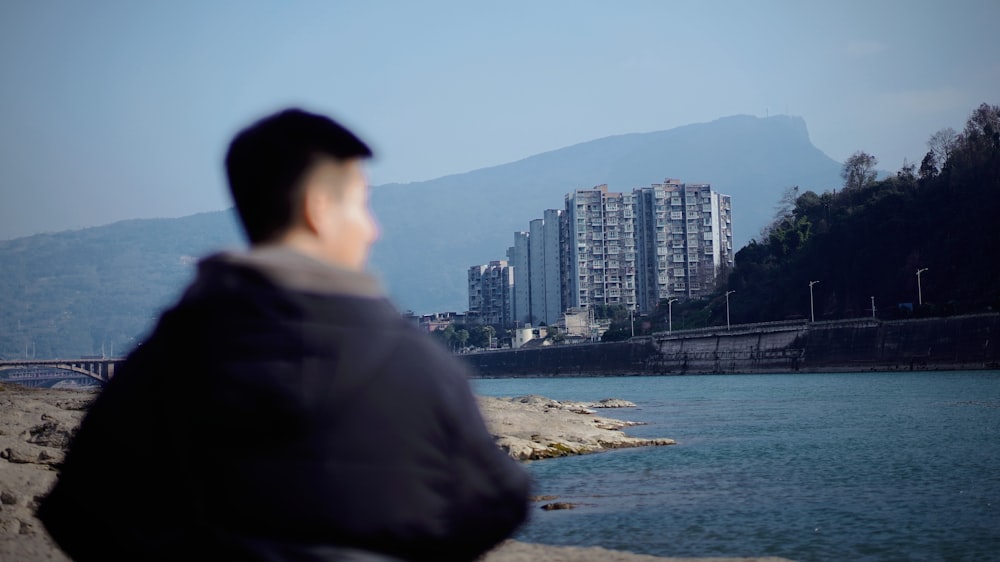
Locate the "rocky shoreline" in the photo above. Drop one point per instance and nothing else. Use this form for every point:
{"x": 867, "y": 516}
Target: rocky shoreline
{"x": 535, "y": 427}
{"x": 36, "y": 425}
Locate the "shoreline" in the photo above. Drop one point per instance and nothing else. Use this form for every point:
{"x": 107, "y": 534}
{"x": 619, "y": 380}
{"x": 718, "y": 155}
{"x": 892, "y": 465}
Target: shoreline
{"x": 36, "y": 425}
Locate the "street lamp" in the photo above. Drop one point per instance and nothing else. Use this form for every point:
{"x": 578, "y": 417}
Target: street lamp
{"x": 873, "y": 307}
{"x": 920, "y": 294}
{"x": 727, "y": 307}
{"x": 812, "y": 314}
{"x": 670, "y": 315}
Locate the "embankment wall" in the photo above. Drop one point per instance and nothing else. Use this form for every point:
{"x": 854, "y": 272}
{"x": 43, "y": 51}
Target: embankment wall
{"x": 962, "y": 342}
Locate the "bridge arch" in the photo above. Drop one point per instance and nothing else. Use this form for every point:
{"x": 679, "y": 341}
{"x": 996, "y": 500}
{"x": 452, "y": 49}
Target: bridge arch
{"x": 101, "y": 370}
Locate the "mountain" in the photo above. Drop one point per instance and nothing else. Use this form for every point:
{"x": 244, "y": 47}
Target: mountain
{"x": 73, "y": 293}
{"x": 434, "y": 231}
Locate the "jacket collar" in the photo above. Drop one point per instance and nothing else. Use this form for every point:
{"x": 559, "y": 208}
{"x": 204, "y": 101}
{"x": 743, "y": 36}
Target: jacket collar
{"x": 294, "y": 270}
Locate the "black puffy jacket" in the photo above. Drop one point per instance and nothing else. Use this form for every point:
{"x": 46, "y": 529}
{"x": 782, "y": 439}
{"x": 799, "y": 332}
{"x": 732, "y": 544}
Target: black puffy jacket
{"x": 282, "y": 408}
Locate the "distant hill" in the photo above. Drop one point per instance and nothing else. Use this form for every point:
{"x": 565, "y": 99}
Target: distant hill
{"x": 72, "y": 293}
{"x": 79, "y": 292}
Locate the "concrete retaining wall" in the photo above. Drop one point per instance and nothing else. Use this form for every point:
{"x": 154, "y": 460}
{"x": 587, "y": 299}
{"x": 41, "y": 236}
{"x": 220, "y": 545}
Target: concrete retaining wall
{"x": 965, "y": 342}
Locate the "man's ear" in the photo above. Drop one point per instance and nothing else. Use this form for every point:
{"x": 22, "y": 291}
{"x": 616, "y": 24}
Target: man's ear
{"x": 315, "y": 208}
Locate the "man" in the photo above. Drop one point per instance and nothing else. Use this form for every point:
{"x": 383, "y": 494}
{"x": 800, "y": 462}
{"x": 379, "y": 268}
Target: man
{"x": 283, "y": 410}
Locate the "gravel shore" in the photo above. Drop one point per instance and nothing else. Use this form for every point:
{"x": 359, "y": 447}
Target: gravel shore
{"x": 36, "y": 425}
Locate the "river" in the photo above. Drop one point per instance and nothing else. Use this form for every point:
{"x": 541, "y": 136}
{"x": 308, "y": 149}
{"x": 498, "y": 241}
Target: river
{"x": 811, "y": 467}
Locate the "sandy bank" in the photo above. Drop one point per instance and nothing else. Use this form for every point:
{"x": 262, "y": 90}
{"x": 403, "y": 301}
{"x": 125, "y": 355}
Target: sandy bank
{"x": 36, "y": 424}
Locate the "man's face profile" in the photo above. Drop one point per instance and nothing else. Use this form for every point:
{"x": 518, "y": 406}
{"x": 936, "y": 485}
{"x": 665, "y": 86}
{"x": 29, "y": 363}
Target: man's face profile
{"x": 337, "y": 210}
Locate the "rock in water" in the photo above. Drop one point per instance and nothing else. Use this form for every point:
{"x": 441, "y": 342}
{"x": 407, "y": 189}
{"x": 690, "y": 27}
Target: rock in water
{"x": 534, "y": 427}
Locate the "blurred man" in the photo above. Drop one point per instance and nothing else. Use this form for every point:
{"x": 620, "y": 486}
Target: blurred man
{"x": 283, "y": 410}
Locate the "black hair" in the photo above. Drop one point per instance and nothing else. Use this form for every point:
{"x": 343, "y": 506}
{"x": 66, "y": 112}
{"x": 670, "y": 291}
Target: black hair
{"x": 268, "y": 160}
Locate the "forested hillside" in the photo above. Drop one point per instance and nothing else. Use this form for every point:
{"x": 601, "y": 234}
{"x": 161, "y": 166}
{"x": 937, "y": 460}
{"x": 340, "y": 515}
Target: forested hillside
{"x": 97, "y": 290}
{"x": 870, "y": 238}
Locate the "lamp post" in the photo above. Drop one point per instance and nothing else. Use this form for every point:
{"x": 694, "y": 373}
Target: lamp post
{"x": 727, "y": 307}
{"x": 920, "y": 294}
{"x": 873, "y": 306}
{"x": 812, "y": 314}
{"x": 670, "y": 315}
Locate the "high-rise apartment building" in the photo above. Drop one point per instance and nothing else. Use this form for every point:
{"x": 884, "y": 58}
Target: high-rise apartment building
{"x": 686, "y": 240}
{"x": 537, "y": 275}
{"x": 551, "y": 262}
{"x": 491, "y": 293}
{"x": 663, "y": 241}
{"x": 518, "y": 255}
{"x": 600, "y": 257}
{"x": 668, "y": 240}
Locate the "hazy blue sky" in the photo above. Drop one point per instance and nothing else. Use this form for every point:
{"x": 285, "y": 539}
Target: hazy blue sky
{"x": 122, "y": 109}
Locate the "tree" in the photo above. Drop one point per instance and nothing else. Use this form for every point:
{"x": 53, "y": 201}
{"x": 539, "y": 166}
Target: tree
{"x": 928, "y": 166}
{"x": 974, "y": 155}
{"x": 461, "y": 337}
{"x": 941, "y": 144}
{"x": 905, "y": 174}
{"x": 859, "y": 170}
{"x": 983, "y": 126}
{"x": 554, "y": 335}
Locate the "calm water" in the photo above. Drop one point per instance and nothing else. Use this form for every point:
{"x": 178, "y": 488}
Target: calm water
{"x": 808, "y": 467}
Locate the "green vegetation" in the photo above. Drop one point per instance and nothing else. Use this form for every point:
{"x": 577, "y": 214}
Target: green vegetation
{"x": 457, "y": 337}
{"x": 870, "y": 239}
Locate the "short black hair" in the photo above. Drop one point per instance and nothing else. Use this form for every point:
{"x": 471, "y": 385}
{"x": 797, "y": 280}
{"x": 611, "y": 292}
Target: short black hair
{"x": 267, "y": 161}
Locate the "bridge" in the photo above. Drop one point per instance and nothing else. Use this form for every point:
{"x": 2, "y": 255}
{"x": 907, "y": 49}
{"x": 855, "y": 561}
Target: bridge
{"x": 101, "y": 369}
